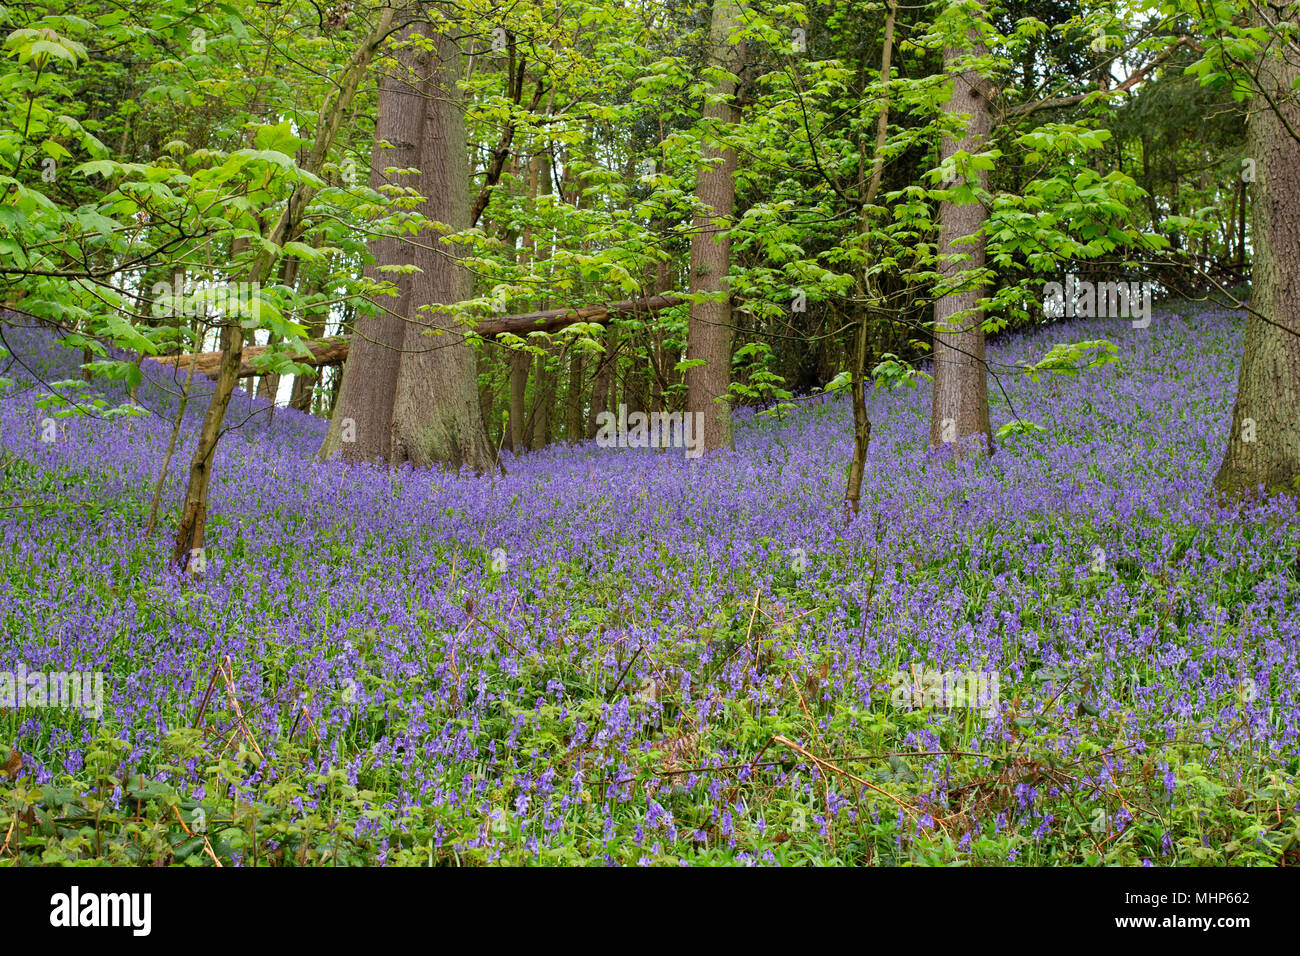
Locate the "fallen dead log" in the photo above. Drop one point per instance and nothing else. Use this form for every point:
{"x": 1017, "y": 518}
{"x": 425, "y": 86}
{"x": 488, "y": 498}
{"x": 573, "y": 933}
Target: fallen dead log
{"x": 334, "y": 351}
{"x": 331, "y": 351}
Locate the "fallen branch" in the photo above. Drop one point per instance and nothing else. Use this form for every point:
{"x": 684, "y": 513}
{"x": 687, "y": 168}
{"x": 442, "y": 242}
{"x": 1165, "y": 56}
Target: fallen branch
{"x": 827, "y": 765}
{"x": 228, "y": 677}
{"x": 334, "y": 351}
{"x": 207, "y": 845}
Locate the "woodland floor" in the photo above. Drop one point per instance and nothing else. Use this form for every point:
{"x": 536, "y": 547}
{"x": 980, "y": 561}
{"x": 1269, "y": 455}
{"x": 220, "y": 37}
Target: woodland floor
{"x": 616, "y": 655}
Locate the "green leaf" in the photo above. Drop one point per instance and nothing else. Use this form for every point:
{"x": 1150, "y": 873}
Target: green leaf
{"x": 126, "y": 335}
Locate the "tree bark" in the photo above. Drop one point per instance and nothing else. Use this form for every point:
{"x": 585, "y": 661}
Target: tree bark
{"x": 300, "y": 396}
{"x": 543, "y": 394}
{"x": 409, "y": 391}
{"x": 436, "y": 414}
{"x": 573, "y": 399}
{"x": 1264, "y": 445}
{"x": 602, "y": 387}
{"x": 519, "y": 364}
{"x": 544, "y": 374}
{"x": 361, "y": 424}
{"x": 708, "y": 337}
{"x": 867, "y": 189}
{"x": 486, "y": 398}
{"x": 960, "y": 408}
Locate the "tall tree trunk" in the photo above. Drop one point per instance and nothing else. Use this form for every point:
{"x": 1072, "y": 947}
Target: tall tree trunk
{"x": 573, "y": 396}
{"x": 521, "y": 362}
{"x": 1264, "y": 446}
{"x": 361, "y": 424}
{"x": 662, "y": 369}
{"x": 634, "y": 382}
{"x": 573, "y": 399}
{"x": 519, "y": 365}
{"x": 1240, "y": 259}
{"x": 544, "y": 377}
{"x": 483, "y": 372}
{"x": 867, "y": 189}
{"x": 514, "y": 407}
{"x": 188, "y": 552}
{"x": 960, "y": 408}
{"x": 543, "y": 398}
{"x": 300, "y": 396}
{"x": 708, "y": 337}
{"x": 411, "y": 394}
{"x": 436, "y": 415}
{"x": 602, "y": 387}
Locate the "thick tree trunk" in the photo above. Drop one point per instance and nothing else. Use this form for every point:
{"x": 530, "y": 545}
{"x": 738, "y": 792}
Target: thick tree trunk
{"x": 361, "y": 425}
{"x": 519, "y": 365}
{"x": 960, "y": 409}
{"x": 1264, "y": 446}
{"x": 709, "y": 332}
{"x": 486, "y": 398}
{"x": 410, "y": 393}
{"x": 436, "y": 416}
